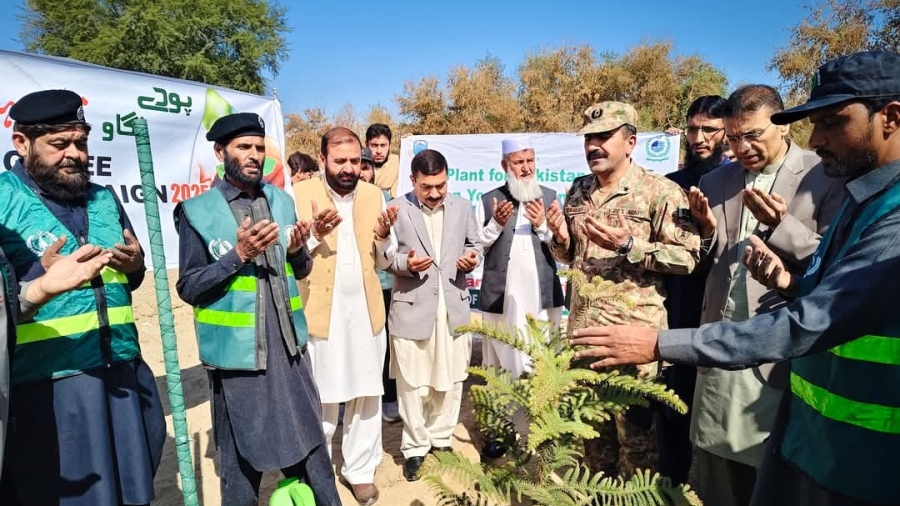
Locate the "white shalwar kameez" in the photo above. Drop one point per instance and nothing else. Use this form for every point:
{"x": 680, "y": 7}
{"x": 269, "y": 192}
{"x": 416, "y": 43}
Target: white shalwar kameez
{"x": 430, "y": 372}
{"x": 347, "y": 365}
{"x": 523, "y": 292}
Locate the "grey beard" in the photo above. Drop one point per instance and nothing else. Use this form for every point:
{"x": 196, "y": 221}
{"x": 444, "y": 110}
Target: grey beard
{"x": 523, "y": 190}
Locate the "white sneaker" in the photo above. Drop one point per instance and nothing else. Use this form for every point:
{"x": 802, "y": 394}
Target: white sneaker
{"x": 390, "y": 412}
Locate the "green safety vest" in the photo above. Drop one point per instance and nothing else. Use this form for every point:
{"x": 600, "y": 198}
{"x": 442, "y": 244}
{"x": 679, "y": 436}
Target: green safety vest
{"x": 226, "y": 326}
{"x": 82, "y": 329}
{"x": 844, "y": 425}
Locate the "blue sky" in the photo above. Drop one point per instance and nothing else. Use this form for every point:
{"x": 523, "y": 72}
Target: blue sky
{"x": 363, "y": 52}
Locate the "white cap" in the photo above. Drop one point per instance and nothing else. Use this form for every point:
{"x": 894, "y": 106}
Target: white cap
{"x": 513, "y": 145}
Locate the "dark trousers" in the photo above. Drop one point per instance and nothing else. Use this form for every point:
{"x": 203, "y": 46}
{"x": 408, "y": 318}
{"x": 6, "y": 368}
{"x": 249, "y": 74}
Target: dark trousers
{"x": 240, "y": 481}
{"x": 390, "y": 385}
{"x": 723, "y": 482}
{"x": 673, "y": 429}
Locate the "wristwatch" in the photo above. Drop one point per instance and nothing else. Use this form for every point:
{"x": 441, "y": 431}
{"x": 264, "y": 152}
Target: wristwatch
{"x": 624, "y": 249}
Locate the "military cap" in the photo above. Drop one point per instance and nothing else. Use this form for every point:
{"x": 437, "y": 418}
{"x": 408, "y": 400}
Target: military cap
{"x": 868, "y": 74}
{"x": 48, "y": 107}
{"x": 366, "y": 156}
{"x": 236, "y": 125}
{"x": 606, "y": 116}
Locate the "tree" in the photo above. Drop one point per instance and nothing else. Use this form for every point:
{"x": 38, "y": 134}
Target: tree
{"x": 543, "y": 419}
{"x": 834, "y": 28}
{"x": 481, "y": 99}
{"x": 888, "y": 35}
{"x": 477, "y": 100}
{"x": 303, "y": 132}
{"x": 555, "y": 88}
{"x": 380, "y": 114}
{"x": 230, "y": 43}
{"x": 696, "y": 78}
{"x": 425, "y": 104}
{"x": 346, "y": 117}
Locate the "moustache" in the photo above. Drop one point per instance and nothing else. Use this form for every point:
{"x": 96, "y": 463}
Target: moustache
{"x": 596, "y": 154}
{"x": 80, "y": 168}
{"x": 824, "y": 153}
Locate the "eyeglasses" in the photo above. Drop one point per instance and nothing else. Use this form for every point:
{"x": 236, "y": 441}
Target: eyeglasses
{"x": 707, "y": 131}
{"x": 749, "y": 137}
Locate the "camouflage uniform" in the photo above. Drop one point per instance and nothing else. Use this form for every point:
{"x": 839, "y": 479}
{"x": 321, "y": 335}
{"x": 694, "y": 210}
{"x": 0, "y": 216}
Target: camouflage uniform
{"x": 611, "y": 289}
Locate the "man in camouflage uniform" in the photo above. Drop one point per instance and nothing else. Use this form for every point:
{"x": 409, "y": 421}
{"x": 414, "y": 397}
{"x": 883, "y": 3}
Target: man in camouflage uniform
{"x": 622, "y": 228}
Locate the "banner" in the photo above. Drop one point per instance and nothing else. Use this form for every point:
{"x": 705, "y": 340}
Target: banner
{"x": 179, "y": 114}
{"x": 474, "y": 164}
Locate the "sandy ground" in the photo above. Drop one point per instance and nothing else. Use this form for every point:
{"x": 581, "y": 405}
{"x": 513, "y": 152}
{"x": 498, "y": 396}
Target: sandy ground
{"x": 395, "y": 490}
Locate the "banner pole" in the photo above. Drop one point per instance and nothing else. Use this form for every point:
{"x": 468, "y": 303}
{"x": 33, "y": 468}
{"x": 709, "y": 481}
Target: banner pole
{"x": 166, "y": 318}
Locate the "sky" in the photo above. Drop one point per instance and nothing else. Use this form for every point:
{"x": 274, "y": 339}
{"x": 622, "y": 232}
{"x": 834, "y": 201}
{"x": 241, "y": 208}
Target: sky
{"x": 362, "y": 52}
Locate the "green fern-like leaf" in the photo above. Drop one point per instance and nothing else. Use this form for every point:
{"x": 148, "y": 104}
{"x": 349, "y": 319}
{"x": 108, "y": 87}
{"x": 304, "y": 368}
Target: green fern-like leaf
{"x": 562, "y": 401}
{"x": 578, "y": 487}
{"x": 460, "y": 469}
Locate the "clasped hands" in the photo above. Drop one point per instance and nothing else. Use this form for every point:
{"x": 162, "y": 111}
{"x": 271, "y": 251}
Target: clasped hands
{"x": 253, "y": 239}
{"x": 629, "y": 344}
{"x": 466, "y": 263}
{"x": 534, "y": 212}
{"x": 768, "y": 209}
{"x": 66, "y": 272}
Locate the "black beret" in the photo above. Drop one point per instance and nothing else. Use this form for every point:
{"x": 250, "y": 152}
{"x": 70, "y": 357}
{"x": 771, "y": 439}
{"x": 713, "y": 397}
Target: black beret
{"x": 48, "y": 107}
{"x": 236, "y": 125}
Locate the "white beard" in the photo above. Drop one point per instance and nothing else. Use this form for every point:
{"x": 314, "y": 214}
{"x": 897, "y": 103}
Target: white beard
{"x": 523, "y": 190}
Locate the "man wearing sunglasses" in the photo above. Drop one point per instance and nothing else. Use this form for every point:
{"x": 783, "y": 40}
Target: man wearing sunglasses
{"x": 780, "y": 193}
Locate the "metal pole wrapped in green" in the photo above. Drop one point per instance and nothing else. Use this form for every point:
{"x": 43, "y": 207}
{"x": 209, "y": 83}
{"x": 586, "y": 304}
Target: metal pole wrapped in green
{"x": 166, "y": 319}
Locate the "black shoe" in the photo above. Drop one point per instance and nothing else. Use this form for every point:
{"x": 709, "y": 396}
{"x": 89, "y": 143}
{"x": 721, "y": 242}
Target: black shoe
{"x": 411, "y": 468}
{"x": 494, "y": 450}
{"x": 441, "y": 449}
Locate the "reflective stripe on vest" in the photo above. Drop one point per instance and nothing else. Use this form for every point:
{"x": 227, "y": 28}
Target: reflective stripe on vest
{"x": 238, "y": 319}
{"x": 109, "y": 276}
{"x": 71, "y": 325}
{"x": 65, "y": 336}
{"x": 227, "y": 326}
{"x": 877, "y": 349}
{"x": 843, "y": 429}
{"x": 884, "y": 419}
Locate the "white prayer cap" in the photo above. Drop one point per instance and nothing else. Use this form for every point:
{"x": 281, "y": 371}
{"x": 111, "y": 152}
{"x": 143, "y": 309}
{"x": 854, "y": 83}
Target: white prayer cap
{"x": 513, "y": 145}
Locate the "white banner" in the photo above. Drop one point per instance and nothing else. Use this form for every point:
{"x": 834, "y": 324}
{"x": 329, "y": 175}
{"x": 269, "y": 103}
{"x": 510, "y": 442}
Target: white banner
{"x": 474, "y": 164}
{"x": 178, "y": 114}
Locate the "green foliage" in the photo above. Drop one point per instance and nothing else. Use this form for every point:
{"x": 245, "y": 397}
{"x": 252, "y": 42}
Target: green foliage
{"x": 227, "y": 43}
{"x": 551, "y": 89}
{"x": 543, "y": 419}
{"x": 834, "y": 28}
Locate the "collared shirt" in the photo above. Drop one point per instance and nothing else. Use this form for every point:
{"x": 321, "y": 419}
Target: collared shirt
{"x": 434, "y": 223}
{"x": 627, "y": 289}
{"x": 737, "y": 306}
{"x": 74, "y": 217}
{"x": 854, "y": 297}
{"x": 284, "y": 391}
{"x": 201, "y": 281}
{"x": 386, "y": 250}
{"x": 348, "y": 362}
{"x": 348, "y": 250}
